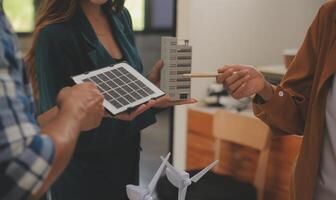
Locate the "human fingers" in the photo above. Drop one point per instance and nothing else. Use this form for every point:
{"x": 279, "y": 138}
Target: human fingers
{"x": 155, "y": 73}
{"x": 239, "y": 93}
{"x": 87, "y": 85}
{"x": 163, "y": 100}
{"x": 130, "y": 116}
{"x": 151, "y": 103}
{"x": 235, "y": 76}
{"x": 235, "y": 67}
{"x": 159, "y": 65}
{"x": 96, "y": 106}
{"x": 97, "y": 115}
{"x": 224, "y": 75}
{"x": 235, "y": 85}
{"x": 92, "y": 94}
{"x": 138, "y": 111}
{"x": 94, "y": 113}
{"x": 183, "y": 102}
{"x": 223, "y": 69}
{"x": 123, "y": 116}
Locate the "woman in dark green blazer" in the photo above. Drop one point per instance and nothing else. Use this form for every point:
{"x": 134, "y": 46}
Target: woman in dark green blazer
{"x": 107, "y": 158}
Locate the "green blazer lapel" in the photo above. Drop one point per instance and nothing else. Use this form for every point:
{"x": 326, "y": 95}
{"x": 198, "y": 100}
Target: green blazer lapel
{"x": 118, "y": 29}
{"x": 121, "y": 37}
{"x": 85, "y": 30}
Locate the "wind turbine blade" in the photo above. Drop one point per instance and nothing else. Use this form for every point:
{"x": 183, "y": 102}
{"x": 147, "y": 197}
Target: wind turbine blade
{"x": 171, "y": 167}
{"x": 182, "y": 193}
{"x": 156, "y": 177}
{"x": 200, "y": 174}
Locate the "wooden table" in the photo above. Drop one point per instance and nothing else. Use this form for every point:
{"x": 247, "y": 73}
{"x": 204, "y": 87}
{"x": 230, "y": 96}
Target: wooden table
{"x": 241, "y": 162}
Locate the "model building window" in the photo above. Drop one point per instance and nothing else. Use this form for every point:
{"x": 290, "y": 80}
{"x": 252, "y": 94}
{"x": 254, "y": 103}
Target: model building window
{"x": 21, "y": 13}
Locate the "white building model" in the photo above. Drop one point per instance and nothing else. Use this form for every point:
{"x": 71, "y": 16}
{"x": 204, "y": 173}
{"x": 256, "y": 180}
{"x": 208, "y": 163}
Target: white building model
{"x": 177, "y": 61}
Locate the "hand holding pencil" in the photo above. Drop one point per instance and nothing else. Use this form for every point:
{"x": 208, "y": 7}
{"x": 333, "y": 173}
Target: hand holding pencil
{"x": 240, "y": 81}
{"x": 244, "y": 81}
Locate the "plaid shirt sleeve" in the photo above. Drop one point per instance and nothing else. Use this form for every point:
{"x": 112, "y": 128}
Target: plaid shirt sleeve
{"x": 25, "y": 154}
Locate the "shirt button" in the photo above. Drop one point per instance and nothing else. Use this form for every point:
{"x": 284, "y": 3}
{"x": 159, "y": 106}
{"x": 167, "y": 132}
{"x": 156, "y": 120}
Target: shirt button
{"x": 281, "y": 93}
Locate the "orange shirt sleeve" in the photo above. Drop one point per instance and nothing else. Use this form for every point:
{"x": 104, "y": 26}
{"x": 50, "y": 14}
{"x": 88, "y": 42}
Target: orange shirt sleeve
{"x": 286, "y": 112}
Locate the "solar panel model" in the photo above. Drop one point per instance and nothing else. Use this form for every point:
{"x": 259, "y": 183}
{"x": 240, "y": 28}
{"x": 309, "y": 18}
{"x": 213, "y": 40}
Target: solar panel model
{"x": 122, "y": 86}
{"x": 177, "y": 57}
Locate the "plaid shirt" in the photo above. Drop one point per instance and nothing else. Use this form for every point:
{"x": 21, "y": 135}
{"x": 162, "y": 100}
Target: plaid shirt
{"x": 25, "y": 154}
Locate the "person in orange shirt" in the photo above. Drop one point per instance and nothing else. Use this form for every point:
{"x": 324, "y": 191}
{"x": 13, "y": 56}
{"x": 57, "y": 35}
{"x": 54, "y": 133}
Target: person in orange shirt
{"x": 303, "y": 103}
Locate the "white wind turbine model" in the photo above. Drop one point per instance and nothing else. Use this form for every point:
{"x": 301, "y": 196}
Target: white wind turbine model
{"x": 182, "y": 180}
{"x": 140, "y": 193}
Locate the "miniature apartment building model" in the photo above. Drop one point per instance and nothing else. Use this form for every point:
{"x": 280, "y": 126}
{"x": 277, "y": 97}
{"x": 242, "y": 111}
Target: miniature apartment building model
{"x": 177, "y": 56}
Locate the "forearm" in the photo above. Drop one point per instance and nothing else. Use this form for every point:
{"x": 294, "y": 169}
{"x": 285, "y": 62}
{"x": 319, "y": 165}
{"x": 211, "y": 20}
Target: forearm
{"x": 48, "y": 116}
{"x": 64, "y": 131}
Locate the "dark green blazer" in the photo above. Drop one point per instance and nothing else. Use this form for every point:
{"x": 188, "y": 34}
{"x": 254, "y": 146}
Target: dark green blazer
{"x": 71, "y": 48}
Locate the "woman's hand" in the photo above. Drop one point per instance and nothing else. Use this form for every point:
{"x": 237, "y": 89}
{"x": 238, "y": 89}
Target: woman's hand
{"x": 83, "y": 103}
{"x": 166, "y": 102}
{"x": 154, "y": 75}
{"x": 129, "y": 116}
{"x": 244, "y": 81}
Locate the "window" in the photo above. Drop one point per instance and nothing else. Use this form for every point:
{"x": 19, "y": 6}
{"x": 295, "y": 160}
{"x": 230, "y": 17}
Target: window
{"x": 152, "y": 15}
{"x": 137, "y": 11}
{"x": 161, "y": 14}
{"x": 147, "y": 15}
{"x": 21, "y": 13}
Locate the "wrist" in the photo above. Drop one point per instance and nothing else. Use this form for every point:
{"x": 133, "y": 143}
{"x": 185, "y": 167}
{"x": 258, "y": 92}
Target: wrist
{"x": 63, "y": 128}
{"x": 267, "y": 92}
{"x": 71, "y": 116}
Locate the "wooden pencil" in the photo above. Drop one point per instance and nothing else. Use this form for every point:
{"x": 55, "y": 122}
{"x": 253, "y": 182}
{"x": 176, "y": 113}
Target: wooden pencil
{"x": 201, "y": 75}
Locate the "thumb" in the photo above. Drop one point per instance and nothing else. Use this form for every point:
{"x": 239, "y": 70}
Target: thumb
{"x": 158, "y": 65}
